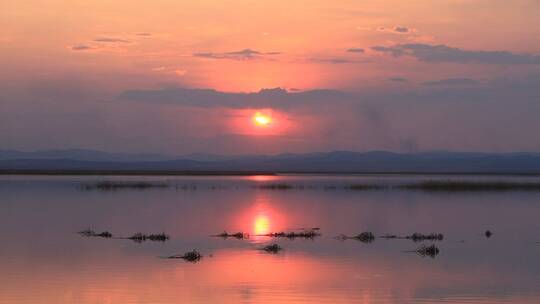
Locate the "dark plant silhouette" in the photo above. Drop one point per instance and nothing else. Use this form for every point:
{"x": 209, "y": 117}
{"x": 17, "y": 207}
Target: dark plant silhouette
{"x": 274, "y": 248}
{"x": 113, "y": 185}
{"x": 190, "y": 256}
{"x": 92, "y": 233}
{"x": 237, "y": 235}
{"x": 139, "y": 237}
{"x": 428, "y": 251}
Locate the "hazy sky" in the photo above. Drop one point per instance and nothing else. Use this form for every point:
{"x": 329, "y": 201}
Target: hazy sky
{"x": 189, "y": 76}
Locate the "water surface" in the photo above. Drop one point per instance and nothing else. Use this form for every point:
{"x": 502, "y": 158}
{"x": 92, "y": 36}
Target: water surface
{"x": 44, "y": 260}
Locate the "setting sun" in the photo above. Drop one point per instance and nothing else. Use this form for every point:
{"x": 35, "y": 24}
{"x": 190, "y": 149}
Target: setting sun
{"x": 261, "y": 120}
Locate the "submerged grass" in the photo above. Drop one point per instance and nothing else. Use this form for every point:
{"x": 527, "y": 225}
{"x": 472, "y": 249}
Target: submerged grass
{"x": 237, "y": 235}
{"x": 113, "y": 185}
{"x": 280, "y": 186}
{"x": 274, "y": 248}
{"x": 360, "y": 187}
{"x": 190, "y": 256}
{"x": 448, "y": 185}
{"x": 428, "y": 251}
{"x": 92, "y": 233}
{"x": 364, "y": 237}
{"x": 416, "y": 237}
{"x": 428, "y": 185}
{"x": 306, "y": 234}
{"x": 140, "y": 237}
{"x": 419, "y": 237}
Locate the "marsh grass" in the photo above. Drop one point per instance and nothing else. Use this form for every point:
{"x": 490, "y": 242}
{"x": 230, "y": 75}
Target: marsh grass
{"x": 306, "y": 234}
{"x": 416, "y": 237}
{"x": 92, "y": 233}
{"x": 389, "y": 236}
{"x": 280, "y": 186}
{"x": 190, "y": 256}
{"x": 364, "y": 237}
{"x": 114, "y": 185}
{"x": 428, "y": 251}
{"x": 274, "y": 248}
{"x": 419, "y": 237}
{"x": 363, "y": 187}
{"x": 237, "y": 235}
{"x": 140, "y": 237}
{"x": 450, "y": 186}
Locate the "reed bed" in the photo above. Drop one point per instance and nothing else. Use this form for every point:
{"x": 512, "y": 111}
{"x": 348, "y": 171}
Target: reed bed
{"x": 280, "y": 186}
{"x": 114, "y": 185}
{"x": 363, "y": 187}
{"x": 451, "y": 186}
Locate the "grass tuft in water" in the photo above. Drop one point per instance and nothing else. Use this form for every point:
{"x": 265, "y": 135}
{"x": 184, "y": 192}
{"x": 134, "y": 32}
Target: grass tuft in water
{"x": 419, "y": 237}
{"x": 113, "y": 185}
{"x": 274, "y": 248}
{"x": 448, "y": 185}
{"x": 237, "y": 235}
{"x": 364, "y": 237}
{"x": 306, "y": 234}
{"x": 190, "y": 256}
{"x": 281, "y": 186}
{"x": 428, "y": 251}
{"x": 92, "y": 233}
{"x": 360, "y": 187}
{"x": 139, "y": 237}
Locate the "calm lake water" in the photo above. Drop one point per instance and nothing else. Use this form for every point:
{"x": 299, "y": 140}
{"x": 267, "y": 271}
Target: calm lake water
{"x": 44, "y": 260}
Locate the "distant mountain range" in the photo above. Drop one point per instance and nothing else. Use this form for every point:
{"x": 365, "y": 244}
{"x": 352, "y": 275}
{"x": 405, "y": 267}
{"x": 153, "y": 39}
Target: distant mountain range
{"x": 328, "y": 162}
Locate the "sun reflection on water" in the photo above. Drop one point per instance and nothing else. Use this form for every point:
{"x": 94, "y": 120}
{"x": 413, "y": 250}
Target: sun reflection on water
{"x": 261, "y": 224}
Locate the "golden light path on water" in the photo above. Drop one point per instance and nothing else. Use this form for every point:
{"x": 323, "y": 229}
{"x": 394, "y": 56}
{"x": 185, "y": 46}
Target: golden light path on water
{"x": 261, "y": 225}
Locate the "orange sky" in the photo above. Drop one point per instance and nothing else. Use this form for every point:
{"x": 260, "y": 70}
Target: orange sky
{"x": 68, "y": 61}
{"x": 149, "y": 43}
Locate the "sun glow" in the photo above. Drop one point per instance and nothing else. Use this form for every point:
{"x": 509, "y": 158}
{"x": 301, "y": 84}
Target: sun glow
{"x": 261, "y": 120}
{"x": 261, "y": 225}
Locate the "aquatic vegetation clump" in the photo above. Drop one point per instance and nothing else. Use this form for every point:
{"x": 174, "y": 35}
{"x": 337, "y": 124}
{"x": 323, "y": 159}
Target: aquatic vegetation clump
{"x": 360, "y": 187}
{"x": 140, "y": 237}
{"x": 114, "y": 185}
{"x": 92, "y": 233}
{"x": 274, "y": 248}
{"x": 419, "y": 237}
{"x": 449, "y": 185}
{"x": 365, "y": 237}
{"x": 488, "y": 233}
{"x": 430, "y": 251}
{"x": 158, "y": 237}
{"x": 306, "y": 234}
{"x": 237, "y": 235}
{"x": 281, "y": 186}
{"x": 389, "y": 236}
{"x": 190, "y": 256}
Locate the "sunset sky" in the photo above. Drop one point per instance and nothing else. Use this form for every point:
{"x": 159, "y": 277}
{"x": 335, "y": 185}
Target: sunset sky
{"x": 242, "y": 77}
